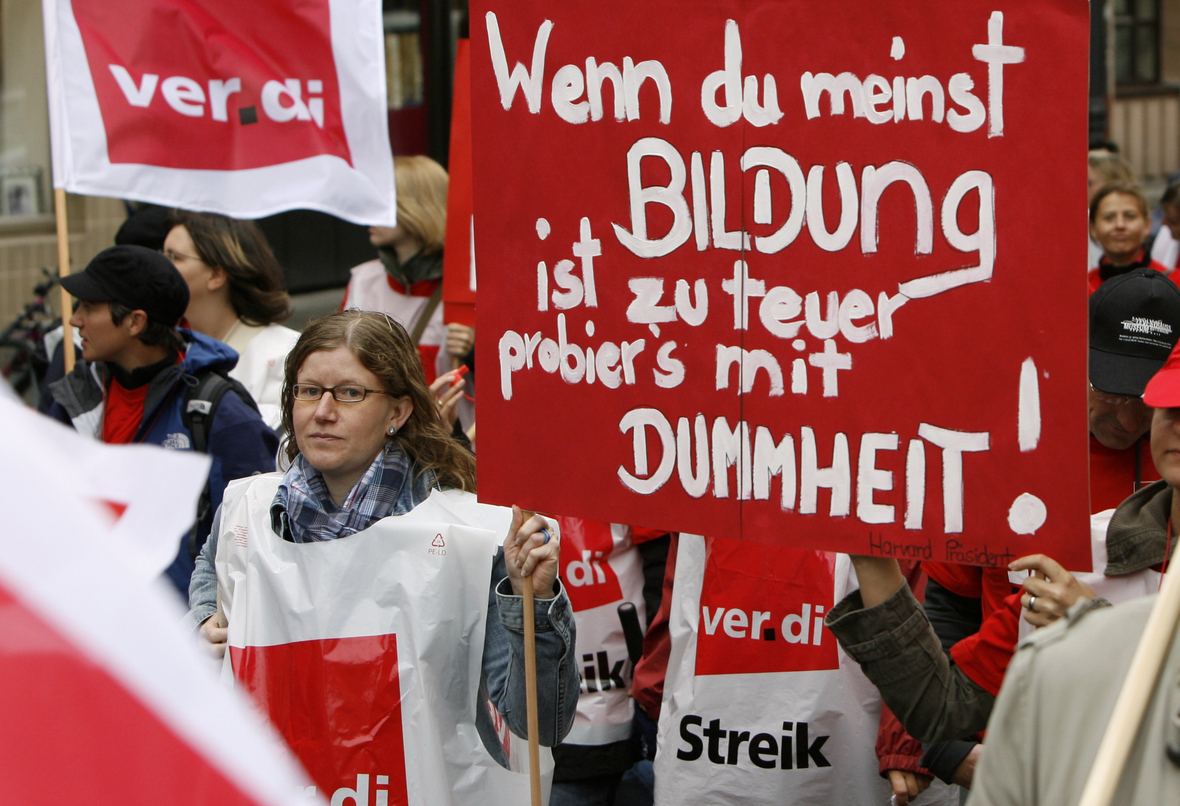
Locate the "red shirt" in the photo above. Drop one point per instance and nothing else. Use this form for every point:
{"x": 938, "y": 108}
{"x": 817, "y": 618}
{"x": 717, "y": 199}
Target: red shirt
{"x": 984, "y": 656}
{"x": 122, "y": 413}
{"x": 1116, "y": 474}
{"x": 990, "y": 585}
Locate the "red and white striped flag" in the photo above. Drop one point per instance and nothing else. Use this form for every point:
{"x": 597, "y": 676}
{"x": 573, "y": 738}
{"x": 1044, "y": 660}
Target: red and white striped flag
{"x": 106, "y": 699}
{"x": 245, "y": 109}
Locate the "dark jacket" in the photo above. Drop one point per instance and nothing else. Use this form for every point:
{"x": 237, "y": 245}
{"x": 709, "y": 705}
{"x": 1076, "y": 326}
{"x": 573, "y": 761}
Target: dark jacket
{"x": 240, "y": 443}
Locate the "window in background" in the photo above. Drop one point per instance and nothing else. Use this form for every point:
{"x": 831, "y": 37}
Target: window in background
{"x": 24, "y": 121}
{"x": 1136, "y": 42}
{"x": 404, "y": 77}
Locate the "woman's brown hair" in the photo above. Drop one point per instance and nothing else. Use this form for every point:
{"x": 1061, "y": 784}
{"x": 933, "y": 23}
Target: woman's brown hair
{"x": 384, "y": 348}
{"x": 1126, "y": 188}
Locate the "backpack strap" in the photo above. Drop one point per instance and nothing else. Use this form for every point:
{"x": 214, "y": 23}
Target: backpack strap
{"x": 427, "y": 312}
{"x": 200, "y": 408}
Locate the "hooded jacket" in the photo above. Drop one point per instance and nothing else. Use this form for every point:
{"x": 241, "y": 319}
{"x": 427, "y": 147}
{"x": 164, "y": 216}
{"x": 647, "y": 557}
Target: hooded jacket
{"x": 240, "y": 443}
{"x": 1138, "y": 534}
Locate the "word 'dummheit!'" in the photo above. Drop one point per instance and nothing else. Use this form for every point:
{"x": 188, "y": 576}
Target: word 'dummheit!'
{"x": 239, "y": 91}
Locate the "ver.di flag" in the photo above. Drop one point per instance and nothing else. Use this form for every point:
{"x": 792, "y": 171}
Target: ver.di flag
{"x": 106, "y": 700}
{"x": 245, "y": 109}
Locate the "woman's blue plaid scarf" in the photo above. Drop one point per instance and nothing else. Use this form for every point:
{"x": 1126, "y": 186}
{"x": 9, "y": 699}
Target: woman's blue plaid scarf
{"x": 303, "y": 511}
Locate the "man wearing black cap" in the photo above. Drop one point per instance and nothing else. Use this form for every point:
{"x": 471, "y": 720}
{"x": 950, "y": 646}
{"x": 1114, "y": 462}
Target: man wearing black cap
{"x": 133, "y": 383}
{"x": 1134, "y": 324}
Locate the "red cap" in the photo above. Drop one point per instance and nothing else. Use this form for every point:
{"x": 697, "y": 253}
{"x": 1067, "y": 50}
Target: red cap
{"x": 1163, "y": 390}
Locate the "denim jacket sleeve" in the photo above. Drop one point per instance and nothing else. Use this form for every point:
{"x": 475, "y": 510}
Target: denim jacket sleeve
{"x": 558, "y": 683}
{"x": 202, "y": 586}
{"x": 899, "y": 652}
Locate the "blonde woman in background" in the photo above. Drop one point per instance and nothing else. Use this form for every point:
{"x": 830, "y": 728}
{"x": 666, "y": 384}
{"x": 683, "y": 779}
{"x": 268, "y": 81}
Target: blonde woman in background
{"x": 405, "y": 281}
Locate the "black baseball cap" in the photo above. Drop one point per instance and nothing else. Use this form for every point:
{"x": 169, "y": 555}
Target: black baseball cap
{"x": 1134, "y": 324}
{"x": 134, "y": 276}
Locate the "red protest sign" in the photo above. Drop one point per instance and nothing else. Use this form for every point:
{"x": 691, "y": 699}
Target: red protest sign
{"x": 112, "y": 712}
{"x": 60, "y": 703}
{"x": 782, "y": 275}
{"x": 459, "y": 257}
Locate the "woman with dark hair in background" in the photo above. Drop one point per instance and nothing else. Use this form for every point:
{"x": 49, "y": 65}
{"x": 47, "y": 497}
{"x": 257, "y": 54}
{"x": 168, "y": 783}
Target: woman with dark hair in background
{"x": 236, "y": 295}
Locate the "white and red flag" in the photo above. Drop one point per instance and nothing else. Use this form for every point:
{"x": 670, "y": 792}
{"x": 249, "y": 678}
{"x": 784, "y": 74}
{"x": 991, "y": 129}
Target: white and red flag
{"x": 105, "y": 699}
{"x": 245, "y": 109}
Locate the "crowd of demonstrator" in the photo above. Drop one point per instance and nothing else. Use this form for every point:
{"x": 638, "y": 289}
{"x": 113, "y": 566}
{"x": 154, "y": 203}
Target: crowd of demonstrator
{"x": 366, "y": 411}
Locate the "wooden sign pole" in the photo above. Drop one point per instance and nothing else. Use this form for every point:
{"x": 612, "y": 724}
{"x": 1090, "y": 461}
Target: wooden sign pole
{"x": 530, "y": 681}
{"x": 63, "y": 269}
{"x": 530, "y": 684}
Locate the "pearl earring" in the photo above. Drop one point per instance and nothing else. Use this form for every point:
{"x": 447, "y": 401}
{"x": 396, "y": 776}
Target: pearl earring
{"x": 392, "y": 430}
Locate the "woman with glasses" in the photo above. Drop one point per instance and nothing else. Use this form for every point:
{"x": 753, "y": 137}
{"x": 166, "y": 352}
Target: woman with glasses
{"x": 236, "y": 295}
{"x": 366, "y": 443}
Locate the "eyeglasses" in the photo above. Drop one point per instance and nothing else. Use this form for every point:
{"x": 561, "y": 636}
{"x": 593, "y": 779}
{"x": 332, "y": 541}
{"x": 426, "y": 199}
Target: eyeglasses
{"x": 174, "y": 256}
{"x": 344, "y": 393}
{"x": 1112, "y": 400}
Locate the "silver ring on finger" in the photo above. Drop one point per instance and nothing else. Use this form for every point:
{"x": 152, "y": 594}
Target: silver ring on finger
{"x": 1032, "y": 602}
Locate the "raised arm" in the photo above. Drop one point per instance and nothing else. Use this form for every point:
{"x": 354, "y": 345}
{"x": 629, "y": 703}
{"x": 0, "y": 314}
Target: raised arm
{"x": 531, "y": 547}
{"x": 884, "y": 629}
